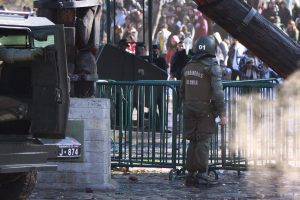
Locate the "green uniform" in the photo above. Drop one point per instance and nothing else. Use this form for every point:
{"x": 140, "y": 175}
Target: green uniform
{"x": 203, "y": 100}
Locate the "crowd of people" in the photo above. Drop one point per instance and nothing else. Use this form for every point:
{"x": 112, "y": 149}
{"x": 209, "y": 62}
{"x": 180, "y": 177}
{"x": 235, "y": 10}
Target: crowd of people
{"x": 181, "y": 23}
{"x": 180, "y": 26}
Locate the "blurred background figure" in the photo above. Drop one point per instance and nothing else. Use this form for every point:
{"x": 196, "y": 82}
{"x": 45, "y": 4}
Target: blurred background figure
{"x": 178, "y": 61}
{"x": 162, "y": 38}
{"x": 158, "y": 60}
{"x": 140, "y": 49}
{"x": 188, "y": 42}
{"x": 201, "y": 25}
{"x": 249, "y": 70}
{"x": 226, "y": 75}
{"x": 173, "y": 40}
{"x": 292, "y": 31}
{"x": 222, "y": 48}
{"x": 2, "y": 7}
{"x": 284, "y": 14}
{"x": 123, "y": 44}
{"x": 235, "y": 53}
{"x": 266, "y": 72}
{"x": 271, "y": 12}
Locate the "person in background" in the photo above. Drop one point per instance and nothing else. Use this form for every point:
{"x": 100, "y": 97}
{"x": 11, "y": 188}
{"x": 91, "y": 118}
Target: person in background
{"x": 121, "y": 13}
{"x": 123, "y": 44}
{"x": 158, "y": 60}
{"x": 140, "y": 49}
{"x": 271, "y": 12}
{"x": 222, "y": 47}
{"x": 284, "y": 14}
{"x": 249, "y": 70}
{"x": 189, "y": 27}
{"x": 201, "y": 25}
{"x": 226, "y": 75}
{"x": 235, "y": 53}
{"x": 292, "y": 31}
{"x": 178, "y": 61}
{"x": 118, "y": 33}
{"x": 188, "y": 42}
{"x": 266, "y": 72}
{"x": 201, "y": 91}
{"x": 162, "y": 38}
{"x": 172, "y": 44}
{"x": 295, "y": 11}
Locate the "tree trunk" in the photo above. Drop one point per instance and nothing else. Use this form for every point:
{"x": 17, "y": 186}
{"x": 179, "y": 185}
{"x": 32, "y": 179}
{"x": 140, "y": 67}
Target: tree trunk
{"x": 263, "y": 38}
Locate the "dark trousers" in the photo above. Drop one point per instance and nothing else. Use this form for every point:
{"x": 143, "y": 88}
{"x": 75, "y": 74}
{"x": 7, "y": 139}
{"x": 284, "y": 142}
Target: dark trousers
{"x": 197, "y": 155}
{"x": 198, "y": 128}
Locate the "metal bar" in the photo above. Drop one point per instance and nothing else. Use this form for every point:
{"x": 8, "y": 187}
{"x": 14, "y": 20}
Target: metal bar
{"x": 129, "y": 106}
{"x": 66, "y": 4}
{"x": 108, "y": 21}
{"x": 114, "y": 10}
{"x": 150, "y": 6}
{"x": 223, "y": 145}
{"x": 174, "y": 134}
{"x": 144, "y": 24}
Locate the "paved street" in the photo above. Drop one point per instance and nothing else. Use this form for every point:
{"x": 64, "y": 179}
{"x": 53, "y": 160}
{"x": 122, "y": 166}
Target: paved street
{"x": 152, "y": 184}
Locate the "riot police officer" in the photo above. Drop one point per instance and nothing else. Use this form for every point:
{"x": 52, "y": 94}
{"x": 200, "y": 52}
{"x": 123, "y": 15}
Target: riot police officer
{"x": 203, "y": 100}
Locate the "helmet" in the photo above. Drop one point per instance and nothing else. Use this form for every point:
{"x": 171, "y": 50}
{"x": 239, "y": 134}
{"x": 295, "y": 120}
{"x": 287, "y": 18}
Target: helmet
{"x": 205, "y": 45}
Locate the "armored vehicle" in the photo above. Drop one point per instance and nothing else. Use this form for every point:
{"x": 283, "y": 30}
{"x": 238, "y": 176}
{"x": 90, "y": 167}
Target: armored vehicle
{"x": 34, "y": 101}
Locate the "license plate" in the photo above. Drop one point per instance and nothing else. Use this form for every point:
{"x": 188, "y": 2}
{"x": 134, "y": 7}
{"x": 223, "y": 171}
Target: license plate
{"x": 68, "y": 151}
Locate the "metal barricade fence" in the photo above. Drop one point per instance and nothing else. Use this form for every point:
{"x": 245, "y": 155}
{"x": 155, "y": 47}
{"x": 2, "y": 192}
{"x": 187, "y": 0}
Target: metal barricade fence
{"x": 147, "y": 125}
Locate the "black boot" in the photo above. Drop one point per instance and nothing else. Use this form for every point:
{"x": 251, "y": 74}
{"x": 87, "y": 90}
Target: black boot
{"x": 205, "y": 179}
{"x": 191, "y": 180}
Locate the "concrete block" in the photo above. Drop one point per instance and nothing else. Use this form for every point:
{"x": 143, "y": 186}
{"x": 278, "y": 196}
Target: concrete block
{"x": 95, "y": 135}
{"x": 89, "y": 114}
{"x": 101, "y": 124}
{"x": 94, "y": 157}
{"x": 99, "y": 103}
{"x": 82, "y": 167}
{"x": 94, "y": 172}
{"x": 94, "y": 146}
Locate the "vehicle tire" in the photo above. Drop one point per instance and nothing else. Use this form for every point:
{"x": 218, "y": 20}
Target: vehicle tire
{"x": 17, "y": 186}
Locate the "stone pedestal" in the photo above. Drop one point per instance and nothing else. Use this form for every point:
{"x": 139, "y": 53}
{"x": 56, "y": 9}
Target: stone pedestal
{"x": 93, "y": 170}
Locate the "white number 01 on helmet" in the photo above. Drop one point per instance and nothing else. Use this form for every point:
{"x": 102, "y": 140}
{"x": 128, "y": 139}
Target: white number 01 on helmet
{"x": 201, "y": 47}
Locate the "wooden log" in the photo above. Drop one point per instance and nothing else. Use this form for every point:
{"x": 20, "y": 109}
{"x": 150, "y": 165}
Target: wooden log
{"x": 263, "y": 38}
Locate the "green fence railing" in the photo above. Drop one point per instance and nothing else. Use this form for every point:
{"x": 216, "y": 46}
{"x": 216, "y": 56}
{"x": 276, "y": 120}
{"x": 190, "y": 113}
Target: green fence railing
{"x": 145, "y": 128}
{"x": 147, "y": 125}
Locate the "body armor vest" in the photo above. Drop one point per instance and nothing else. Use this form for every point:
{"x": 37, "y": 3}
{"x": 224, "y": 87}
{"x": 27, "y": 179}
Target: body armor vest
{"x": 197, "y": 82}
